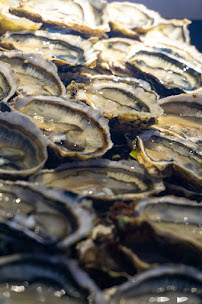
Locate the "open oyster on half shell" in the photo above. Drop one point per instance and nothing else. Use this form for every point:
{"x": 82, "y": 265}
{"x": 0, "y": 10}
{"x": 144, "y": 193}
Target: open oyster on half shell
{"x": 173, "y": 29}
{"x": 76, "y": 15}
{"x": 61, "y": 49}
{"x": 182, "y": 115}
{"x": 34, "y": 74}
{"x": 44, "y": 278}
{"x": 129, "y": 19}
{"x": 10, "y": 22}
{"x": 175, "y": 217}
{"x": 112, "y": 52}
{"x": 162, "y": 153}
{"x": 167, "y": 70}
{"x": 130, "y": 100}
{"x": 23, "y": 149}
{"x": 72, "y": 128}
{"x": 164, "y": 284}
{"x": 48, "y": 217}
{"x": 102, "y": 179}
{"x": 8, "y": 82}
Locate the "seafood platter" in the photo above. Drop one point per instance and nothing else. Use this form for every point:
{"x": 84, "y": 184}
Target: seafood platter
{"x": 100, "y": 155}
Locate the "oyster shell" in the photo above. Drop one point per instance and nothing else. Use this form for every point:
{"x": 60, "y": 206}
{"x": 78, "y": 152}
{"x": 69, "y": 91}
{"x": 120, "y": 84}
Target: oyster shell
{"x": 130, "y": 100}
{"x": 61, "y": 49}
{"x": 76, "y": 15}
{"x": 168, "y": 73}
{"x": 173, "y": 29}
{"x": 35, "y": 75}
{"x": 22, "y": 146}
{"x": 108, "y": 262}
{"x": 8, "y": 83}
{"x": 129, "y": 18}
{"x": 10, "y": 22}
{"x": 160, "y": 152}
{"x": 182, "y": 115}
{"x": 44, "y": 278}
{"x": 73, "y": 129}
{"x": 112, "y": 52}
{"x": 164, "y": 284}
{"x": 102, "y": 179}
{"x": 46, "y": 216}
{"x": 174, "y": 216}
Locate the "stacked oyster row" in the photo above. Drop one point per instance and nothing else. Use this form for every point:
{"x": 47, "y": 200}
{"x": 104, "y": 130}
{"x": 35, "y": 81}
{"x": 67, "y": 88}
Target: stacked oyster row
{"x": 100, "y": 123}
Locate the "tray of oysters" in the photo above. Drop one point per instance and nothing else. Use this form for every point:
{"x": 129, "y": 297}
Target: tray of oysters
{"x": 100, "y": 155}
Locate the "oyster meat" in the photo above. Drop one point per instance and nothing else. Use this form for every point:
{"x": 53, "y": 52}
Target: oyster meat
{"x": 45, "y": 216}
{"x": 112, "y": 52}
{"x": 73, "y": 129}
{"x": 76, "y": 15}
{"x": 174, "y": 29}
{"x": 35, "y": 75}
{"x": 128, "y": 18}
{"x": 61, "y": 49}
{"x": 102, "y": 179}
{"x": 22, "y": 146}
{"x": 44, "y": 278}
{"x": 167, "y": 72}
{"x": 164, "y": 284}
{"x": 174, "y": 216}
{"x": 182, "y": 115}
{"x": 8, "y": 83}
{"x": 130, "y": 100}
{"x": 160, "y": 151}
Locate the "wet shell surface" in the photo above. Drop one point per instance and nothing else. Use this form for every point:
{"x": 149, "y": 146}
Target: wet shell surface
{"x": 168, "y": 283}
{"x": 34, "y": 74}
{"x": 22, "y": 146}
{"x": 174, "y": 29}
{"x": 73, "y": 129}
{"x": 102, "y": 179}
{"x": 129, "y": 18}
{"x": 62, "y": 49}
{"x": 174, "y": 216}
{"x": 76, "y": 15}
{"x": 167, "y": 72}
{"x": 130, "y": 100}
{"x": 47, "y": 279}
{"x": 162, "y": 151}
{"x": 8, "y": 82}
{"x": 182, "y": 115}
{"x": 45, "y": 216}
{"x": 112, "y": 52}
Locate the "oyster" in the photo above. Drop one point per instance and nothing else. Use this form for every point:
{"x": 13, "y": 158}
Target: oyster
{"x": 175, "y": 217}
{"x": 73, "y": 129}
{"x": 176, "y": 30}
{"x": 76, "y": 15}
{"x": 168, "y": 73}
{"x": 182, "y": 115}
{"x": 44, "y": 215}
{"x": 130, "y": 100}
{"x": 8, "y": 83}
{"x": 102, "y": 179}
{"x": 10, "y": 22}
{"x": 23, "y": 147}
{"x": 129, "y": 18}
{"x": 164, "y": 284}
{"x": 44, "y": 278}
{"x": 161, "y": 153}
{"x": 102, "y": 257}
{"x": 61, "y": 49}
{"x": 35, "y": 75}
{"x": 112, "y": 52}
